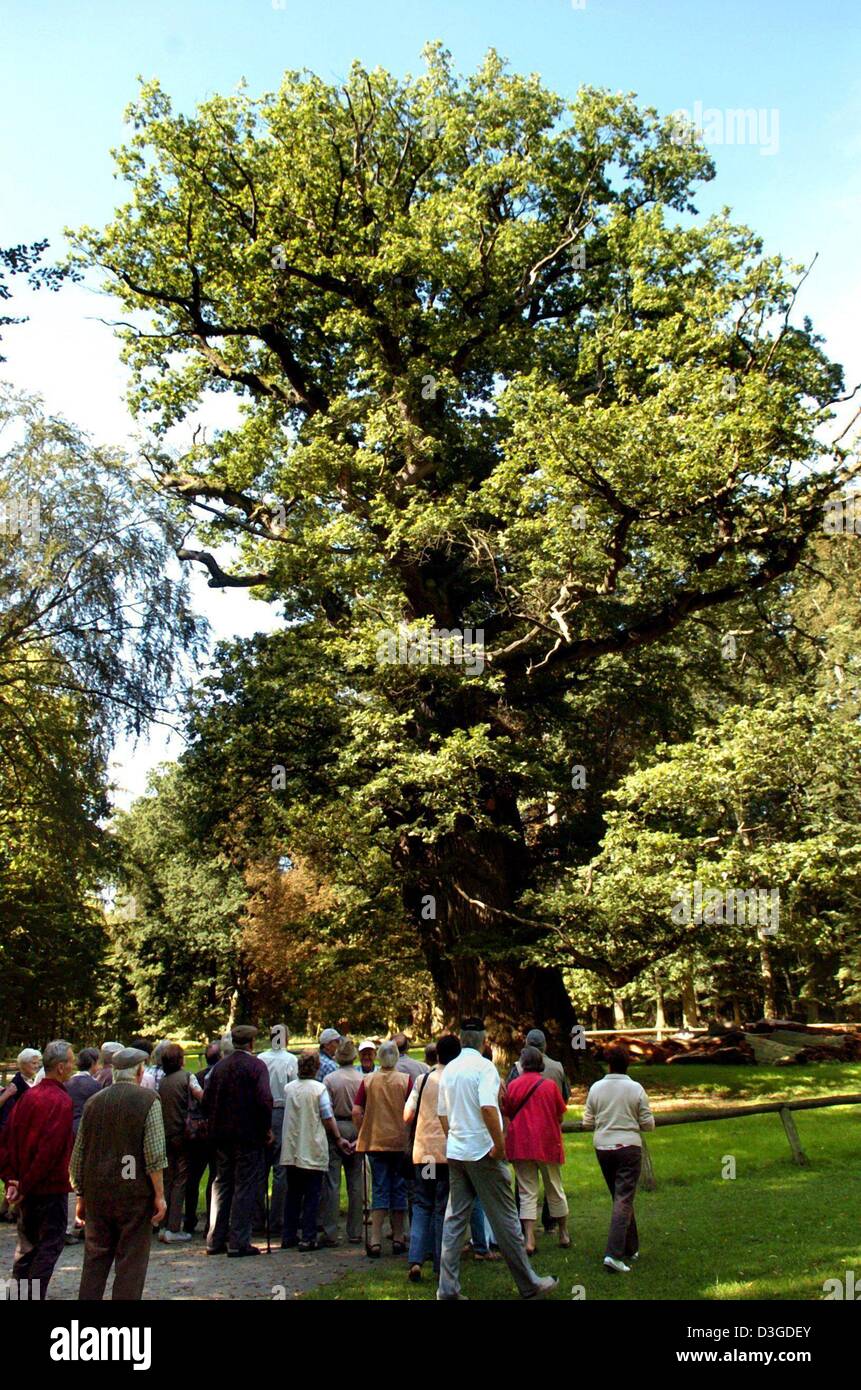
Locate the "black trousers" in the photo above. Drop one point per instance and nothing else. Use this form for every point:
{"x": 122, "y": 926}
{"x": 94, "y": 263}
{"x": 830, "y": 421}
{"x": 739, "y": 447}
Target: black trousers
{"x": 200, "y": 1159}
{"x": 234, "y": 1192}
{"x": 621, "y": 1169}
{"x": 41, "y": 1235}
{"x": 302, "y": 1203}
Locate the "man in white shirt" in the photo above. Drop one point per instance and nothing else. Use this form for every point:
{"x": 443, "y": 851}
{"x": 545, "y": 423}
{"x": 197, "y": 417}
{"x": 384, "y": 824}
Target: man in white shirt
{"x": 283, "y": 1067}
{"x": 617, "y": 1109}
{"x": 468, "y": 1109}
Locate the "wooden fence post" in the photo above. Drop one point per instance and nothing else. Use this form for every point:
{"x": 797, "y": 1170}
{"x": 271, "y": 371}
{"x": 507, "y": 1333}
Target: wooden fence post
{"x": 798, "y": 1154}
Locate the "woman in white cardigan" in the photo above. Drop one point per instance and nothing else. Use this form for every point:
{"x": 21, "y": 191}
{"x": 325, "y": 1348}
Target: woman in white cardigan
{"x": 308, "y": 1115}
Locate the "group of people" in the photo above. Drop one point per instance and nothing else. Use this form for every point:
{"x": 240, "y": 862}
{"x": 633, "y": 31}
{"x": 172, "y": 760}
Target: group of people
{"x": 132, "y": 1134}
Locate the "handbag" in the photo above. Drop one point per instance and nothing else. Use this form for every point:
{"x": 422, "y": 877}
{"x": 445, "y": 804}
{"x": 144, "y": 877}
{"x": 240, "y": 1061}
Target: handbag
{"x": 196, "y": 1123}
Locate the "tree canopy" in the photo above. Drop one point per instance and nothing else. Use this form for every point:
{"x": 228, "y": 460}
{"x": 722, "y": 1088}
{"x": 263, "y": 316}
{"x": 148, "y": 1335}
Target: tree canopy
{"x": 93, "y": 634}
{"x": 495, "y": 375}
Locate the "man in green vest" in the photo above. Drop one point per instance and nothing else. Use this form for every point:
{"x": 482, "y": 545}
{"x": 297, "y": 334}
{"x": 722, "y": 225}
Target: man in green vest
{"x": 117, "y": 1166}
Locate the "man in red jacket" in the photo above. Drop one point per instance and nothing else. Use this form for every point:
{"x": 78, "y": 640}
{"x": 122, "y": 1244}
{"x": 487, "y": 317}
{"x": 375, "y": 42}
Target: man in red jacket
{"x": 36, "y": 1171}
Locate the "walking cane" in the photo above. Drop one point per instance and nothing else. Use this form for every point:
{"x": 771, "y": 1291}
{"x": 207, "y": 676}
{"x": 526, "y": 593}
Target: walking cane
{"x": 266, "y": 1208}
{"x": 366, "y": 1211}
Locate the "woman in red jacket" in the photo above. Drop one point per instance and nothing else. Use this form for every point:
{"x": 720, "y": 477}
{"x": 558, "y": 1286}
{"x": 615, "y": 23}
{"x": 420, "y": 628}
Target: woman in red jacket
{"x": 533, "y": 1143}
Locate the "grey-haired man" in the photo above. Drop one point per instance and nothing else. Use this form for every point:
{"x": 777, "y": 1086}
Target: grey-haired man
{"x": 468, "y": 1109}
{"x": 36, "y": 1171}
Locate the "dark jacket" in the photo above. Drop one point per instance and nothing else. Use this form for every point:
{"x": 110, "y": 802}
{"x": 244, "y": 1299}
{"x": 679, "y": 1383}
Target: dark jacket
{"x": 238, "y": 1101}
{"x": 80, "y": 1087}
{"x": 174, "y": 1095}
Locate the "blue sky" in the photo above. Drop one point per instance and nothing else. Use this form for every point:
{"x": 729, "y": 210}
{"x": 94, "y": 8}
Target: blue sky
{"x": 68, "y": 68}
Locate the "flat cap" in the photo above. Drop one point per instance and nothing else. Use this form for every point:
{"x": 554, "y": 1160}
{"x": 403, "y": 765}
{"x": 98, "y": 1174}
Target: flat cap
{"x": 243, "y": 1033}
{"x": 128, "y": 1057}
{"x": 330, "y": 1035}
{"x": 535, "y": 1038}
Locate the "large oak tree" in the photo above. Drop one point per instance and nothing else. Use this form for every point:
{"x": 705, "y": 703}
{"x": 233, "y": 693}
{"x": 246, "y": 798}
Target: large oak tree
{"x": 496, "y": 373}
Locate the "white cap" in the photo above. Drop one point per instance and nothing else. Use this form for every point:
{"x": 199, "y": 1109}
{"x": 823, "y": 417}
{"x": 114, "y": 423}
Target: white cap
{"x": 365, "y": 1044}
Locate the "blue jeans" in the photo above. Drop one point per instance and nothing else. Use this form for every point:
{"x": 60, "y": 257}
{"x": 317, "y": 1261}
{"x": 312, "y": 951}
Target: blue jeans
{"x": 388, "y": 1182}
{"x": 430, "y": 1199}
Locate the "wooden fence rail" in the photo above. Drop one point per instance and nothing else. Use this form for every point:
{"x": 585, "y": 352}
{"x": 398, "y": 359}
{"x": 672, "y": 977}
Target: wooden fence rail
{"x": 783, "y": 1108}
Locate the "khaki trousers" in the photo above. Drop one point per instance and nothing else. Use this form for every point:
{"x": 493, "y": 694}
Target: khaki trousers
{"x": 527, "y": 1171}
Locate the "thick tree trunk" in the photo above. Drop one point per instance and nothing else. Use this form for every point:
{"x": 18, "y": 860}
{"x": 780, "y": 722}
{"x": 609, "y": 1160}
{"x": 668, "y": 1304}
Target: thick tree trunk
{"x": 619, "y": 1020}
{"x": 462, "y": 891}
{"x": 511, "y": 999}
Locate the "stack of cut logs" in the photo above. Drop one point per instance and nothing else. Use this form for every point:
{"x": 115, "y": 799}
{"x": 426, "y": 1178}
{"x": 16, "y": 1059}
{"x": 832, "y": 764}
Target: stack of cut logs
{"x": 775, "y": 1042}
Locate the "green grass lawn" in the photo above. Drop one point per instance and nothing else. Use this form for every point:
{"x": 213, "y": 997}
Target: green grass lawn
{"x": 774, "y": 1231}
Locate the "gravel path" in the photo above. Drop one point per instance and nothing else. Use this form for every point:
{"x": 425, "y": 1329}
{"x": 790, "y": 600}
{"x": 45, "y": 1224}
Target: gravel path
{"x": 185, "y": 1272}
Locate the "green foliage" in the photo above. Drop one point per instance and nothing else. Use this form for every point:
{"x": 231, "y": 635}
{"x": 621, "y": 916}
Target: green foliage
{"x": 769, "y": 797}
{"x": 494, "y": 372}
{"x": 92, "y": 631}
{"x": 175, "y": 931}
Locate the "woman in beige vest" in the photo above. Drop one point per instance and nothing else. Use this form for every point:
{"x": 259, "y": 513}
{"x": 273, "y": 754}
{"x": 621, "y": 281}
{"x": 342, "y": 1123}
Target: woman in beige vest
{"x": 378, "y": 1114}
{"x": 308, "y": 1116}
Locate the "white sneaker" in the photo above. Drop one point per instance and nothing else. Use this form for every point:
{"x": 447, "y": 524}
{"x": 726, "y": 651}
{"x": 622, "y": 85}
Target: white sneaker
{"x": 174, "y": 1237}
{"x": 616, "y": 1266}
{"x": 635, "y": 1256}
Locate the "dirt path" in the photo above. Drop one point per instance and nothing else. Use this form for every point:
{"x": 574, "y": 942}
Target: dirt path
{"x": 185, "y": 1272}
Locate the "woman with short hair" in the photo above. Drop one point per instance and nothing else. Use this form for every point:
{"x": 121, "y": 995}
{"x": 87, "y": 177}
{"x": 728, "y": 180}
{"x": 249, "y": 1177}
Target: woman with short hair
{"x": 534, "y": 1108}
{"x": 308, "y": 1119}
{"x": 378, "y": 1114}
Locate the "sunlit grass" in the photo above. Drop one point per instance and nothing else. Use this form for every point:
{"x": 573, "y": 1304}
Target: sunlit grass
{"x": 775, "y": 1231}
